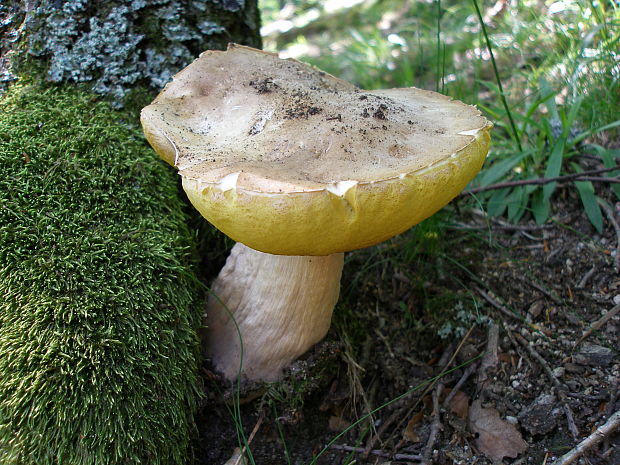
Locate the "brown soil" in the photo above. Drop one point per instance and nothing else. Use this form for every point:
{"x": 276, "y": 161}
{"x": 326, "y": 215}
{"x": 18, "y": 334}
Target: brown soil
{"x": 501, "y": 308}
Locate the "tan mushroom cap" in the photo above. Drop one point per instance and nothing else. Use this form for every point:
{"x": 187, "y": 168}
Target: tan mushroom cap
{"x": 290, "y": 160}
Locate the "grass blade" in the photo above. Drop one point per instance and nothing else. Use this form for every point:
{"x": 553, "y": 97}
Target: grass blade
{"x": 554, "y": 167}
{"x": 540, "y": 207}
{"x": 499, "y": 169}
{"x": 497, "y": 203}
{"x": 589, "y": 200}
{"x": 499, "y": 81}
{"x": 594, "y": 131}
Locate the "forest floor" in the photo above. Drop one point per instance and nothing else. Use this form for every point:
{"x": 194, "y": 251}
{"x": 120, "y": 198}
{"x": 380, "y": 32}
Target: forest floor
{"x": 494, "y": 343}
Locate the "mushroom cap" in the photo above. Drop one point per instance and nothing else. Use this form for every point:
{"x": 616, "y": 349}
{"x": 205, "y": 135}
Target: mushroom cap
{"x": 290, "y": 160}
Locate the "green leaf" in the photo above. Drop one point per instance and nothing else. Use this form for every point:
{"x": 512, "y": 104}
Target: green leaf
{"x": 497, "y": 203}
{"x": 554, "y": 166}
{"x": 545, "y": 89}
{"x": 610, "y": 158}
{"x": 569, "y": 121}
{"x": 500, "y": 168}
{"x": 540, "y": 207}
{"x": 591, "y": 132}
{"x": 518, "y": 201}
{"x": 589, "y": 200}
{"x": 540, "y": 101}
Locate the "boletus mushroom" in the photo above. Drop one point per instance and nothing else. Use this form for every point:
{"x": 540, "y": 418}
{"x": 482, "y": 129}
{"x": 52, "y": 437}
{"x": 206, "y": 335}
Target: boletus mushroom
{"x": 298, "y": 167}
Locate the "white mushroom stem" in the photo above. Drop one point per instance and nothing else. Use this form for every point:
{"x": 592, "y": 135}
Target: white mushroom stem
{"x": 282, "y": 306}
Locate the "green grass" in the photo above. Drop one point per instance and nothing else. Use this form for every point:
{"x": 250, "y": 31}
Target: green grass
{"x": 98, "y": 315}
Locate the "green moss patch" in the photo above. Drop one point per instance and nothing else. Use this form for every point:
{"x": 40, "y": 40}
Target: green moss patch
{"x": 98, "y": 310}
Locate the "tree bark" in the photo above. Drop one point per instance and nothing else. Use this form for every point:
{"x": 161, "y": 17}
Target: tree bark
{"x": 117, "y": 45}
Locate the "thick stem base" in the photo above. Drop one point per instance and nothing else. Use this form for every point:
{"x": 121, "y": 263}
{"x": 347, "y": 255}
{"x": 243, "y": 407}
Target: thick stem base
{"x": 282, "y": 306}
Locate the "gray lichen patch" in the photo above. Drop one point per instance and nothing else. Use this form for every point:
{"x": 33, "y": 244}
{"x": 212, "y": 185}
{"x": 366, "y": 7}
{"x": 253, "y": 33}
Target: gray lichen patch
{"x": 116, "y": 45}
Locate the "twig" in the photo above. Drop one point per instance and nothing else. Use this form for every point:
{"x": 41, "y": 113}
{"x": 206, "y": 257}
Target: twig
{"x": 405, "y": 410}
{"x": 605, "y": 455}
{"x": 612, "y": 180}
{"x": 588, "y": 443}
{"x": 598, "y": 324}
{"x": 499, "y": 225}
{"x": 574, "y": 177}
{"x": 544, "y": 291}
{"x": 612, "y": 219}
{"x": 380, "y": 453}
{"x": 592, "y": 397}
{"x": 239, "y": 454}
{"x": 497, "y": 305}
{"x": 489, "y": 361}
{"x": 444, "y": 365}
{"x": 435, "y": 425}
{"x": 561, "y": 390}
{"x": 613, "y": 397}
{"x": 586, "y": 278}
{"x": 468, "y": 372}
{"x": 385, "y": 341}
{"x": 491, "y": 354}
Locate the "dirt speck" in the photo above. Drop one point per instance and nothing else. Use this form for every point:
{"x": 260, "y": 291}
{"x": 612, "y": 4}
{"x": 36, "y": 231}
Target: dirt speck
{"x": 264, "y": 86}
{"x": 301, "y": 110}
{"x": 380, "y": 113}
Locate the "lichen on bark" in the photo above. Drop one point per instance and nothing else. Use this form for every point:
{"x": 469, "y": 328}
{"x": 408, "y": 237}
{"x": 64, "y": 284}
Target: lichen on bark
{"x": 115, "y": 45}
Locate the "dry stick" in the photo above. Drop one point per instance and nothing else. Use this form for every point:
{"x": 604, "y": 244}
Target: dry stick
{"x": 514, "y": 342}
{"x": 501, "y": 226}
{"x": 497, "y": 305}
{"x": 468, "y": 372}
{"x": 612, "y": 180}
{"x": 586, "y": 278}
{"x": 583, "y": 176}
{"x": 491, "y": 354}
{"x": 435, "y": 425}
{"x": 399, "y": 413}
{"x": 444, "y": 366}
{"x": 612, "y": 219}
{"x": 239, "y": 458}
{"x": 561, "y": 390}
{"x": 605, "y": 455}
{"x": 598, "y": 324}
{"x": 543, "y": 291}
{"x": 380, "y": 453}
{"x": 613, "y": 397}
{"x": 588, "y": 443}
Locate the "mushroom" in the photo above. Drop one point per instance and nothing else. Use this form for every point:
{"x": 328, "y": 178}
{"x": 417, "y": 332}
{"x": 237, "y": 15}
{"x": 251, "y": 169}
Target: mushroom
{"x": 298, "y": 167}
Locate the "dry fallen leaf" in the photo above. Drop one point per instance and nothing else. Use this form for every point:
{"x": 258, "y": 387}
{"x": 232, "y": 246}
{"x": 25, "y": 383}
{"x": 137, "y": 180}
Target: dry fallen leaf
{"x": 338, "y": 424}
{"x": 496, "y": 438}
{"x": 459, "y": 405}
{"x": 409, "y": 433}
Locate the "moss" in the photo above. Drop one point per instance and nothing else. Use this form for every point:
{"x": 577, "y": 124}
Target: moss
{"x": 98, "y": 315}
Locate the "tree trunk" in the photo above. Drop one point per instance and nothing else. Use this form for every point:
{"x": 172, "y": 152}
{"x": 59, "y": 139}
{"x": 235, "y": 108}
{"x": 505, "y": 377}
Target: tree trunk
{"x": 117, "y": 45}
